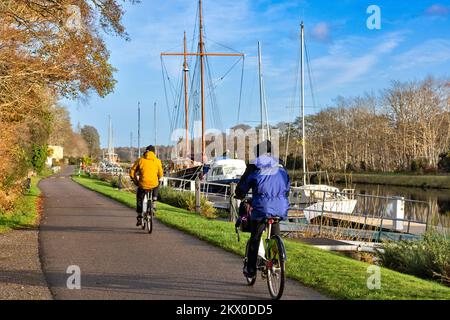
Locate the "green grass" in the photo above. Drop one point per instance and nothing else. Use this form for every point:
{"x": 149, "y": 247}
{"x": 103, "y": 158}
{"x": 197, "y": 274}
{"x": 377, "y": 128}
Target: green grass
{"x": 25, "y": 211}
{"x": 332, "y": 274}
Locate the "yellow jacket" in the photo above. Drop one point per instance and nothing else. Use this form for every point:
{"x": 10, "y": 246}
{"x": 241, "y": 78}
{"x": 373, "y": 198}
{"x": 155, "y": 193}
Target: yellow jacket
{"x": 150, "y": 171}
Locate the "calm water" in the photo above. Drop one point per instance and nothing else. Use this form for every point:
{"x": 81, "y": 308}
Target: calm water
{"x": 438, "y": 199}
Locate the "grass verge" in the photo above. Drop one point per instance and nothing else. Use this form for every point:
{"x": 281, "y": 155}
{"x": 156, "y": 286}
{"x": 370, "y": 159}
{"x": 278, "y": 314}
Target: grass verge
{"x": 25, "y": 212}
{"x": 332, "y": 274}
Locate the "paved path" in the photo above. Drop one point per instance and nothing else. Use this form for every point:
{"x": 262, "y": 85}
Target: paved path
{"x": 119, "y": 261}
{"x": 21, "y": 277}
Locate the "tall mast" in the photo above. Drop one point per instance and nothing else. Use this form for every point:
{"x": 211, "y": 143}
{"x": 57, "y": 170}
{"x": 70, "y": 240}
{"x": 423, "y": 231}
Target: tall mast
{"x": 139, "y": 129}
{"x": 186, "y": 98}
{"x": 261, "y": 101}
{"x": 110, "y": 138}
{"x": 201, "y": 54}
{"x": 202, "y": 76}
{"x": 131, "y": 146}
{"x": 302, "y": 36}
{"x": 155, "y": 126}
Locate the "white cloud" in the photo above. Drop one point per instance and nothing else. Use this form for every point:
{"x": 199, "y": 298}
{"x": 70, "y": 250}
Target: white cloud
{"x": 162, "y": 29}
{"x": 433, "y": 51}
{"x": 437, "y": 10}
{"x": 351, "y": 58}
{"x": 321, "y": 32}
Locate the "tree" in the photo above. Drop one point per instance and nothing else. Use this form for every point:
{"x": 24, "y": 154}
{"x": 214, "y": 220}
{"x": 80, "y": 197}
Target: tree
{"x": 41, "y": 60}
{"x": 92, "y": 138}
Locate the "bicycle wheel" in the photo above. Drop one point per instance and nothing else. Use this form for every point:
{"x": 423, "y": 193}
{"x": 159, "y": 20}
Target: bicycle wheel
{"x": 150, "y": 221}
{"x": 276, "y": 276}
{"x": 143, "y": 222}
{"x": 250, "y": 281}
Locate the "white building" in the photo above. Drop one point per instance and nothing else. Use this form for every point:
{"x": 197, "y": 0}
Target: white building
{"x": 55, "y": 153}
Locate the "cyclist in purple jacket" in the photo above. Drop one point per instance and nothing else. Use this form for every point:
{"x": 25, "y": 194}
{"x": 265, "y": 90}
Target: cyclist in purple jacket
{"x": 270, "y": 186}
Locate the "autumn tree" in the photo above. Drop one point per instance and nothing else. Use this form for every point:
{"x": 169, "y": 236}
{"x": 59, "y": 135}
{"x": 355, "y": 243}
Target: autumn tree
{"x": 48, "y": 50}
{"x": 92, "y": 138}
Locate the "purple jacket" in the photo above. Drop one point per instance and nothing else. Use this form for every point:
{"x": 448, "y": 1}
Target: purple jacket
{"x": 270, "y": 186}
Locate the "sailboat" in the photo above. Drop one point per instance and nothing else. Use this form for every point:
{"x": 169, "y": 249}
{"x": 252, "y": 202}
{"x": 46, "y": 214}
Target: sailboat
{"x": 313, "y": 200}
{"x": 221, "y": 169}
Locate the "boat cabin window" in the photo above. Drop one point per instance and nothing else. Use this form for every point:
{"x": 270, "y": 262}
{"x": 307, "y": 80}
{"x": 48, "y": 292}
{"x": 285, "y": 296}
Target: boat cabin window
{"x": 218, "y": 171}
{"x": 229, "y": 170}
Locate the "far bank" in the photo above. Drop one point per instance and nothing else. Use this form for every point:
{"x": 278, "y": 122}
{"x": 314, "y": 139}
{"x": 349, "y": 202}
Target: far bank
{"x": 388, "y": 179}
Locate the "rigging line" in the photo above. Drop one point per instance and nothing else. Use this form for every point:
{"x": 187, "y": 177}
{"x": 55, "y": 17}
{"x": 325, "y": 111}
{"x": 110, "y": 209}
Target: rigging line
{"x": 308, "y": 64}
{"x": 215, "y": 83}
{"x": 212, "y": 115}
{"x": 228, "y": 71}
{"x": 240, "y": 90}
{"x": 178, "y": 107}
{"x": 176, "y": 96}
{"x": 168, "y": 79}
{"x": 173, "y": 90}
{"x": 194, "y": 34}
{"x": 214, "y": 105}
{"x": 180, "y": 91}
{"x": 293, "y": 103}
{"x": 265, "y": 111}
{"x": 222, "y": 45}
{"x": 193, "y": 89}
{"x": 165, "y": 94}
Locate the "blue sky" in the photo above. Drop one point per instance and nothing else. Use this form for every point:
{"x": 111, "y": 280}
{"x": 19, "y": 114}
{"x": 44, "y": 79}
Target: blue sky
{"x": 346, "y": 57}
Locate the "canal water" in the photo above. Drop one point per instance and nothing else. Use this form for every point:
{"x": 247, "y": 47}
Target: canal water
{"x": 439, "y": 199}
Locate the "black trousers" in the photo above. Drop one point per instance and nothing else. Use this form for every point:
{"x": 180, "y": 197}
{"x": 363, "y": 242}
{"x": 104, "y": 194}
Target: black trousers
{"x": 257, "y": 229}
{"x": 140, "y": 194}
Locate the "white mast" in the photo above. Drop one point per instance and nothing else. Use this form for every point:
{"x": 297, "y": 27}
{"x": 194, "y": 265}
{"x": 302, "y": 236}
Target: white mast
{"x": 303, "y": 101}
{"x": 154, "y": 122}
{"x": 261, "y": 100}
{"x": 110, "y": 141}
{"x": 139, "y": 129}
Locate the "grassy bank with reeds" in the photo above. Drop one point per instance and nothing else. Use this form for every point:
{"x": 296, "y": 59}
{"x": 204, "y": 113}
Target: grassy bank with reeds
{"x": 332, "y": 274}
{"x": 387, "y": 179}
{"x": 400, "y": 180}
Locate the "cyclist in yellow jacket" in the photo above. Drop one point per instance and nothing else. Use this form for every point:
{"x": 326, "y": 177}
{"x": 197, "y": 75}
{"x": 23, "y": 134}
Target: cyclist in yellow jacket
{"x": 146, "y": 173}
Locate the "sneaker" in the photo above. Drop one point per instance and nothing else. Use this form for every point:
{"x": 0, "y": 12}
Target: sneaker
{"x": 139, "y": 221}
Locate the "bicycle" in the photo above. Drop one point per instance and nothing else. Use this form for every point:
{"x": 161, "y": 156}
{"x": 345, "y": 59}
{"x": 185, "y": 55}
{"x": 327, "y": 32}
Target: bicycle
{"x": 149, "y": 212}
{"x": 272, "y": 265}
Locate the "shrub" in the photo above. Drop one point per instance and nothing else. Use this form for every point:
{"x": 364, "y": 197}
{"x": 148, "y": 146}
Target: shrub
{"x": 428, "y": 258}
{"x": 38, "y": 158}
{"x": 186, "y": 200}
{"x": 350, "y": 167}
{"x": 414, "y": 166}
{"x": 444, "y": 162}
{"x": 114, "y": 182}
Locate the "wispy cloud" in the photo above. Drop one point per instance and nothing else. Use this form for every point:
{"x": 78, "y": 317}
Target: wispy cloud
{"x": 351, "y": 58}
{"x": 321, "y": 32}
{"x": 433, "y": 51}
{"x": 437, "y": 10}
